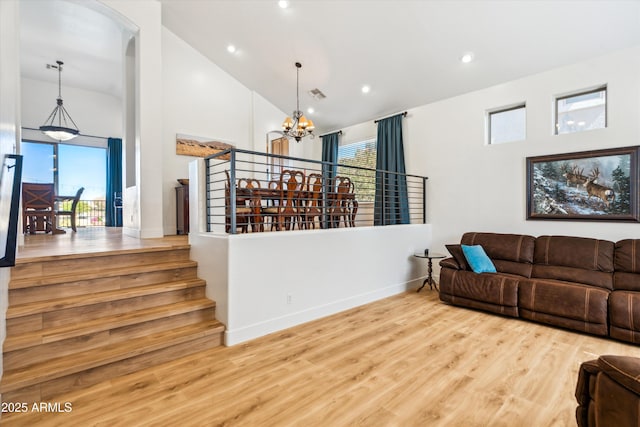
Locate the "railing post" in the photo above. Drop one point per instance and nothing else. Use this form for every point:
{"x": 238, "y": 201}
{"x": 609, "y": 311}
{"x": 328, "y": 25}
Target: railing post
{"x": 383, "y": 205}
{"x": 424, "y": 199}
{"x": 232, "y": 191}
{"x": 207, "y": 163}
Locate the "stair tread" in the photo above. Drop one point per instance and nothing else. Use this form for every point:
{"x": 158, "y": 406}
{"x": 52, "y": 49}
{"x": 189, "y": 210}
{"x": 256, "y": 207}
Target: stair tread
{"x": 99, "y": 297}
{"x": 46, "y": 336}
{"x": 105, "y": 253}
{"x": 103, "y": 273}
{"x": 14, "y": 379}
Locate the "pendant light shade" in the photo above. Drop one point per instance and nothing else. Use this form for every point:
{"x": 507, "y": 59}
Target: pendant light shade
{"x": 59, "y": 125}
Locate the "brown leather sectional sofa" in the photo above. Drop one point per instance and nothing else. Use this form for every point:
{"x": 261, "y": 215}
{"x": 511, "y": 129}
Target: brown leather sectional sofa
{"x": 584, "y": 284}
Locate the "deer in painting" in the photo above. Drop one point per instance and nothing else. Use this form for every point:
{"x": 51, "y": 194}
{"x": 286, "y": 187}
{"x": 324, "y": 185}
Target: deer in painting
{"x": 574, "y": 176}
{"x": 606, "y": 194}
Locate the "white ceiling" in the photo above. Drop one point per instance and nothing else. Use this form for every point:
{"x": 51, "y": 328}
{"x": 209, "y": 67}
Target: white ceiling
{"x": 407, "y": 51}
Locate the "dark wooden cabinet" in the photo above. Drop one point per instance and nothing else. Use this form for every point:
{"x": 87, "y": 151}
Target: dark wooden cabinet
{"x": 182, "y": 207}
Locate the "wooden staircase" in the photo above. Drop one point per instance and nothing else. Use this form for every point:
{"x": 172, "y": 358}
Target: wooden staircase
{"x": 76, "y": 320}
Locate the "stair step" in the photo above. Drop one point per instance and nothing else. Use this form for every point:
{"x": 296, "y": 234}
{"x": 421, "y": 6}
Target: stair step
{"x": 90, "y": 262}
{"x": 58, "y": 368}
{"x": 51, "y": 335}
{"x": 102, "y": 273}
{"x": 40, "y": 307}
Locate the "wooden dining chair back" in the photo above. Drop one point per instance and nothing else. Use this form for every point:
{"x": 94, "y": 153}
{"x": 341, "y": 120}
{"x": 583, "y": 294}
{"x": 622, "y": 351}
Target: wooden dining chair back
{"x": 38, "y": 207}
{"x": 255, "y": 202}
{"x": 272, "y": 210}
{"x": 292, "y": 185}
{"x": 242, "y": 210}
{"x": 313, "y": 200}
{"x": 340, "y": 204}
{"x": 65, "y": 210}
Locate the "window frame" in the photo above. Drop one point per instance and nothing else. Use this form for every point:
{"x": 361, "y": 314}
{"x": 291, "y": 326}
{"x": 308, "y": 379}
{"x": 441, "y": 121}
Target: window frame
{"x": 364, "y": 141}
{"x": 601, "y": 88}
{"x": 512, "y": 107}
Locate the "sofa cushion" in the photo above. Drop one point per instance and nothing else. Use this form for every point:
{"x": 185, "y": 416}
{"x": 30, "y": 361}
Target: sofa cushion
{"x": 478, "y": 259}
{"x": 574, "y": 259}
{"x": 458, "y": 256}
{"x": 627, "y": 265}
{"x": 558, "y": 298}
{"x": 624, "y": 315}
{"x": 576, "y": 252}
{"x": 508, "y": 247}
{"x": 494, "y": 288}
{"x": 510, "y": 253}
{"x": 627, "y": 256}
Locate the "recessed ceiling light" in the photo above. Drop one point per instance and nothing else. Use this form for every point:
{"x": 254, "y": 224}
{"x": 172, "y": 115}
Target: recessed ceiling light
{"x": 467, "y": 57}
{"x": 231, "y": 48}
{"x": 310, "y": 110}
{"x": 283, "y": 4}
{"x": 366, "y": 89}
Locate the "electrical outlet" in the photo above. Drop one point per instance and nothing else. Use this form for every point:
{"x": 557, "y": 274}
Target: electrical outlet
{"x": 289, "y": 298}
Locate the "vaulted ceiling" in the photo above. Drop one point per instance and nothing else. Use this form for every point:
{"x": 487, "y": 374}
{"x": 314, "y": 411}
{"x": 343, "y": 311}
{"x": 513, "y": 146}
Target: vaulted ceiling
{"x": 407, "y": 51}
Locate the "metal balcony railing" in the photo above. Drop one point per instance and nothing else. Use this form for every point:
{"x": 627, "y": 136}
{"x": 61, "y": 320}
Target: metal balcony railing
{"x": 89, "y": 213}
{"x": 273, "y": 193}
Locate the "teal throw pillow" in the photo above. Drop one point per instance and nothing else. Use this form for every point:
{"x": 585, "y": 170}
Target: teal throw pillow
{"x": 478, "y": 259}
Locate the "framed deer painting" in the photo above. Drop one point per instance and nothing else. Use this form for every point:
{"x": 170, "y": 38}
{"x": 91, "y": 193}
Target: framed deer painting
{"x": 588, "y": 185}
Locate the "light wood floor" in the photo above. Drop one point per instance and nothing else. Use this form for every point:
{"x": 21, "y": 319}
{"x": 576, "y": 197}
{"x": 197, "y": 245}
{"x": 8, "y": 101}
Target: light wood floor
{"x": 408, "y": 360}
{"x": 87, "y": 240}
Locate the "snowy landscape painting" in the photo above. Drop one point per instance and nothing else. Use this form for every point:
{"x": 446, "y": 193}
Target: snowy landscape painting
{"x": 589, "y": 185}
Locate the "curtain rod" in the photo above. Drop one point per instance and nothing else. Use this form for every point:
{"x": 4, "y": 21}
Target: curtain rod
{"x": 80, "y": 134}
{"x": 338, "y": 132}
{"x": 404, "y": 114}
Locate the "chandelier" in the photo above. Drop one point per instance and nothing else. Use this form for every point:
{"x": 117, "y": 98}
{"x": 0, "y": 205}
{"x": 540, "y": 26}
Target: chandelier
{"x": 57, "y": 125}
{"x": 297, "y": 126}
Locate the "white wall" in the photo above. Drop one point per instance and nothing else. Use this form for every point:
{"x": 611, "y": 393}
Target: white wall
{"x": 9, "y": 119}
{"x": 145, "y": 20}
{"x": 203, "y": 100}
{"x": 478, "y": 187}
{"x": 266, "y": 282}
{"x": 95, "y": 113}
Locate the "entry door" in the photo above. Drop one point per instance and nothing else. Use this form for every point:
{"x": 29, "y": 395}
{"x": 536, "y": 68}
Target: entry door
{"x": 280, "y": 147}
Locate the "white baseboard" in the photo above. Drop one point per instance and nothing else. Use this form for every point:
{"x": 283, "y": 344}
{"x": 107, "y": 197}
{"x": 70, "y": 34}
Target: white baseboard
{"x": 239, "y": 335}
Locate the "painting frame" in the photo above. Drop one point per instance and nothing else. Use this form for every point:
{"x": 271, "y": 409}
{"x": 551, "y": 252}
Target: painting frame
{"x": 584, "y": 186}
{"x": 199, "y": 146}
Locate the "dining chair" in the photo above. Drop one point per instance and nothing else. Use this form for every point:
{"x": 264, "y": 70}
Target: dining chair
{"x": 38, "y": 207}
{"x": 339, "y": 203}
{"x": 255, "y": 202}
{"x": 313, "y": 200}
{"x": 242, "y": 210}
{"x": 272, "y": 209}
{"x": 292, "y": 183}
{"x": 71, "y": 211}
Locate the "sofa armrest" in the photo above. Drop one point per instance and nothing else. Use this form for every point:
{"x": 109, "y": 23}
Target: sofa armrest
{"x": 585, "y": 390}
{"x": 450, "y": 263}
{"x": 624, "y": 370}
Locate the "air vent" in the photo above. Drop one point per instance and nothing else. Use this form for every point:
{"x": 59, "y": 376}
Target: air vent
{"x": 317, "y": 94}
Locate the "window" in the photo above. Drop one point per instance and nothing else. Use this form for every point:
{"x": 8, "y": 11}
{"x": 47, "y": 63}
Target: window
{"x": 581, "y": 111}
{"x": 39, "y": 164}
{"x": 361, "y": 154}
{"x": 507, "y": 124}
{"x": 68, "y": 166}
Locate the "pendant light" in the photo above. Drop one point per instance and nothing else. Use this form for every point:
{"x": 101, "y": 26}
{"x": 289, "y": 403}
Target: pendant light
{"x": 58, "y": 124}
{"x": 297, "y": 126}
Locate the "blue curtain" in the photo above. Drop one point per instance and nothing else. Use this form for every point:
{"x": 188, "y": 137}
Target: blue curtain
{"x": 330, "y": 145}
{"x": 113, "y": 215}
{"x": 391, "y": 204}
